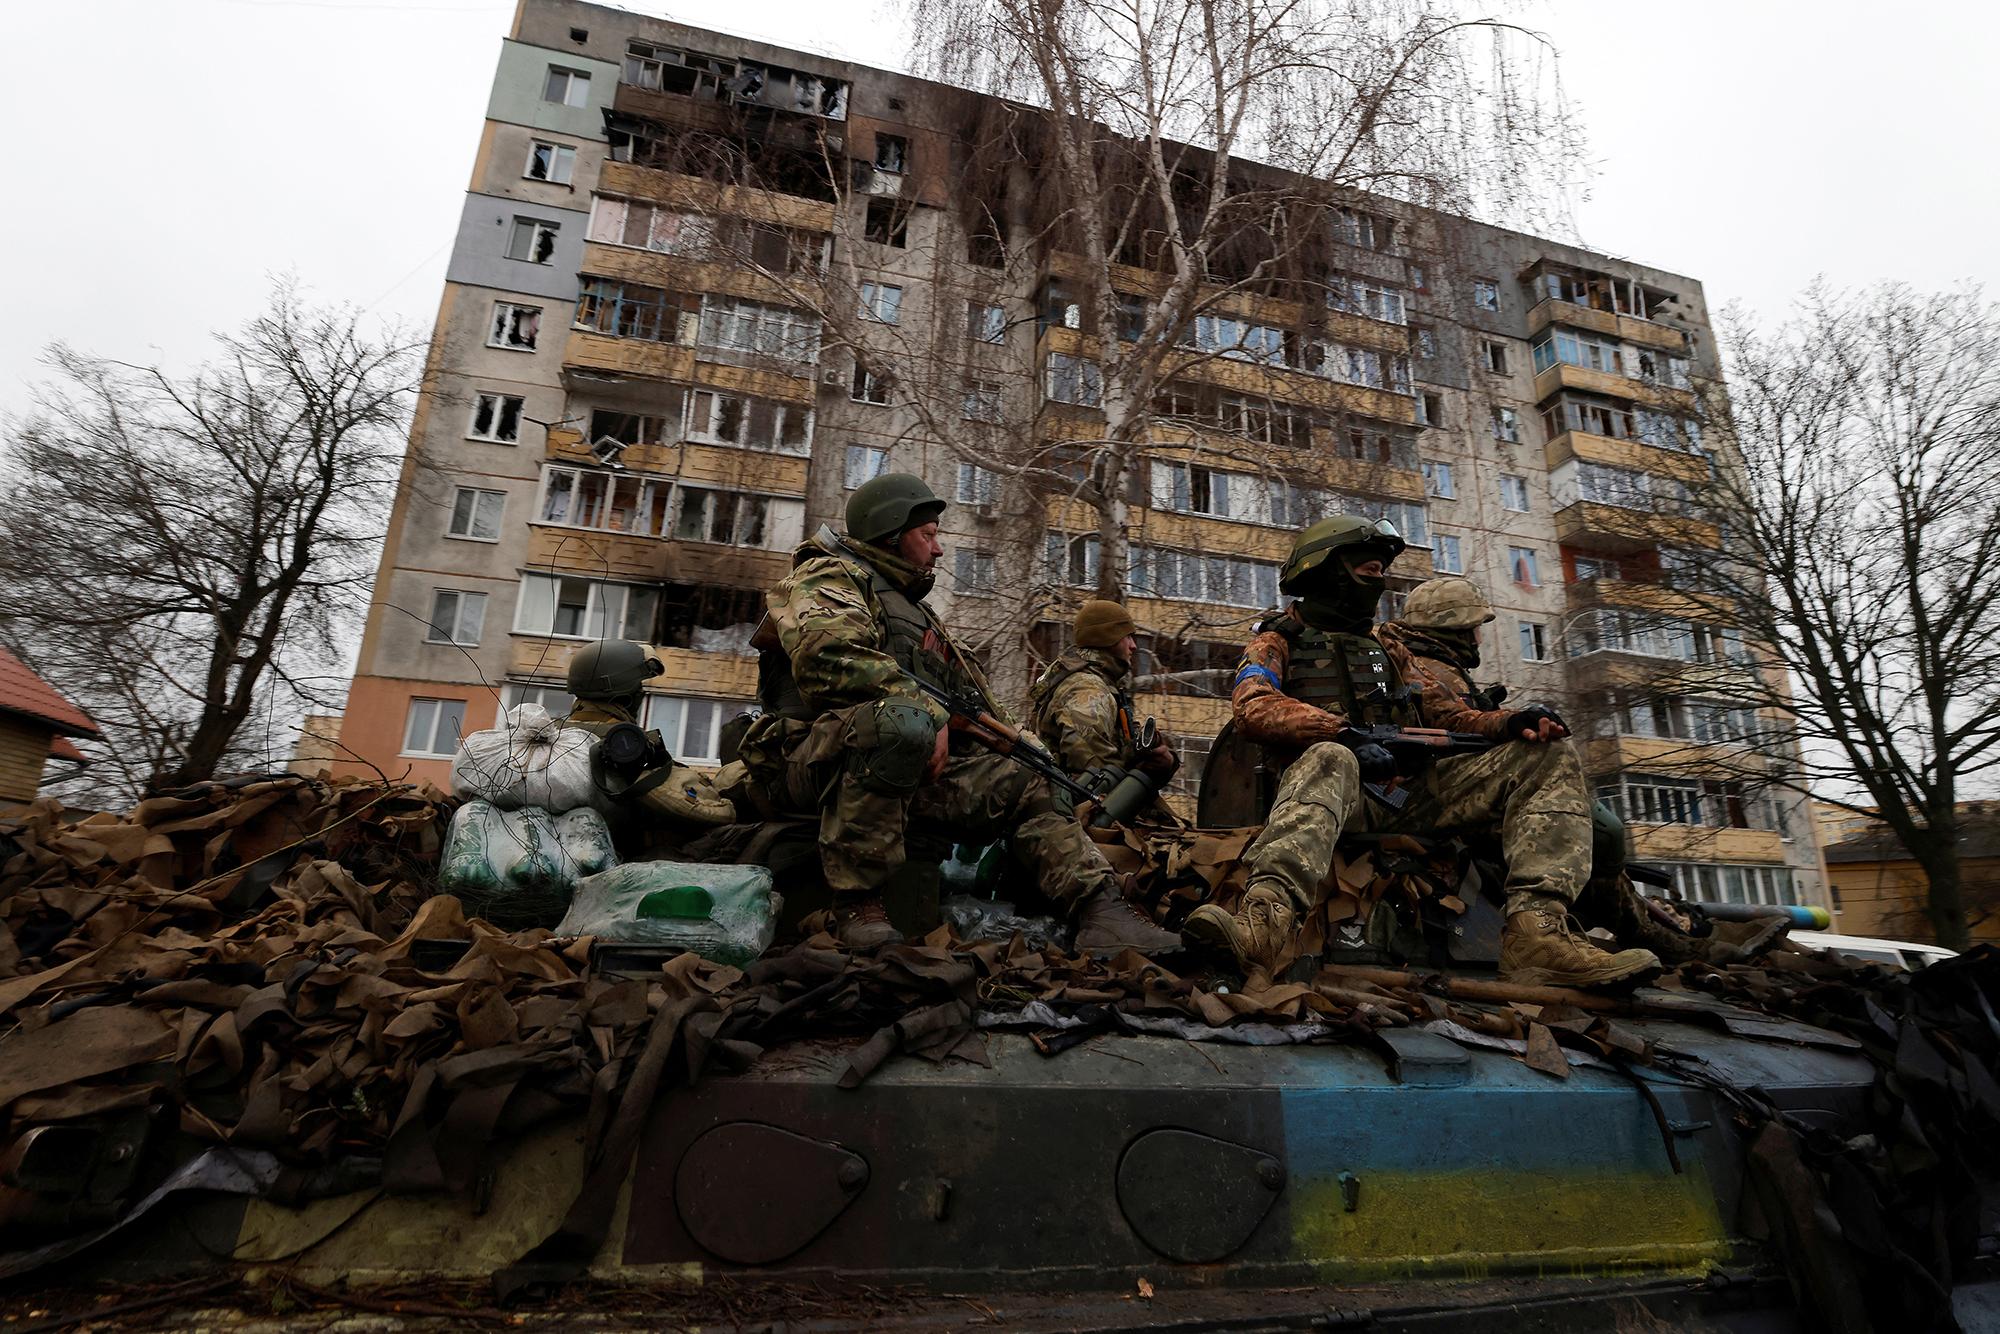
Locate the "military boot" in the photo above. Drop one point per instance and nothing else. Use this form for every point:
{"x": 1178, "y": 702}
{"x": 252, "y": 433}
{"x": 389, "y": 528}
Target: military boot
{"x": 1739, "y": 942}
{"x": 1256, "y": 935}
{"x": 1637, "y": 928}
{"x": 1110, "y": 924}
{"x": 861, "y": 924}
{"x": 1544, "y": 947}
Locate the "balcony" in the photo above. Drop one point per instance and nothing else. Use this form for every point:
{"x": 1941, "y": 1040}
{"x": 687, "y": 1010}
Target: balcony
{"x": 1624, "y": 327}
{"x": 542, "y": 658}
{"x": 604, "y": 355}
{"x": 695, "y": 192}
{"x": 588, "y": 553}
{"x": 1563, "y": 376}
{"x": 679, "y": 273}
{"x": 1611, "y": 528}
{"x": 1679, "y": 842}
{"x": 1653, "y": 599}
{"x": 1626, "y": 454}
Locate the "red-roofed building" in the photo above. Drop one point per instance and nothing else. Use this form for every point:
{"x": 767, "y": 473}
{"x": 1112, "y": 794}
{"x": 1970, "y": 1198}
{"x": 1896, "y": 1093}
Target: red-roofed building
{"x": 35, "y": 724}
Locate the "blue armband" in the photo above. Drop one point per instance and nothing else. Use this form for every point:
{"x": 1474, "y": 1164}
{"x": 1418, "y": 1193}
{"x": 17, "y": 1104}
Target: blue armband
{"x": 1250, "y": 670}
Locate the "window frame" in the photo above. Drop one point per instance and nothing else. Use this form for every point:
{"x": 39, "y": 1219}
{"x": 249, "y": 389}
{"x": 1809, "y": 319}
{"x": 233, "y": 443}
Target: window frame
{"x": 749, "y": 407}
{"x": 1438, "y": 483}
{"x": 541, "y": 237}
{"x": 499, "y": 409}
{"x": 573, "y": 78}
{"x": 1534, "y": 642}
{"x": 437, "y": 715}
{"x": 462, "y": 598}
{"x": 1446, "y": 557}
{"x": 980, "y": 584}
{"x": 596, "y": 615}
{"x": 881, "y": 303}
{"x": 469, "y": 512}
{"x": 1524, "y": 566}
{"x": 506, "y": 315}
{"x": 867, "y": 386}
{"x": 1514, "y": 486}
{"x": 1494, "y": 356}
{"x": 985, "y": 323}
{"x": 1507, "y": 425}
{"x": 861, "y": 453}
{"x": 1486, "y": 294}
{"x": 562, "y": 159}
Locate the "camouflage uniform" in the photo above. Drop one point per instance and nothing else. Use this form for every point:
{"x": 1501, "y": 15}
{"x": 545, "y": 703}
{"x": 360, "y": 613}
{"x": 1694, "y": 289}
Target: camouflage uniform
{"x": 1533, "y": 793}
{"x": 845, "y": 631}
{"x": 1082, "y": 714}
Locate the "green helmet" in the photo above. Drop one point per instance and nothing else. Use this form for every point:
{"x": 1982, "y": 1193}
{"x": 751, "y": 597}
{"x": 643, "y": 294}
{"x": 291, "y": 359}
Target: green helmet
{"x": 889, "y": 506}
{"x": 1316, "y": 543}
{"x": 610, "y": 669}
{"x": 1451, "y": 603}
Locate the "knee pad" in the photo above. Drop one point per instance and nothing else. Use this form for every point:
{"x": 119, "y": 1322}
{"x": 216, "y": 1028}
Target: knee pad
{"x": 893, "y": 763}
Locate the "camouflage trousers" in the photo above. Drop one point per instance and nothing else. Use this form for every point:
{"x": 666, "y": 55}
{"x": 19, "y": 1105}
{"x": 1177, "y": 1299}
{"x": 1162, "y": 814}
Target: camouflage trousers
{"x": 1533, "y": 794}
{"x": 979, "y": 798}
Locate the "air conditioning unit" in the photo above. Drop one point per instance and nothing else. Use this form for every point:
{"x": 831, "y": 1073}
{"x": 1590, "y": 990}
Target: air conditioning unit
{"x": 987, "y": 511}
{"x": 833, "y": 377}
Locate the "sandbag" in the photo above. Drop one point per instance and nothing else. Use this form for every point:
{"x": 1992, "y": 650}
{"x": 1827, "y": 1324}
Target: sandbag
{"x": 534, "y": 760}
{"x": 517, "y": 868}
{"x": 725, "y": 913}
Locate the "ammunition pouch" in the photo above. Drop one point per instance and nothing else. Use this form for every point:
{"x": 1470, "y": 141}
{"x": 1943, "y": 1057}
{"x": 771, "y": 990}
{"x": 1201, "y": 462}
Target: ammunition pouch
{"x": 893, "y": 742}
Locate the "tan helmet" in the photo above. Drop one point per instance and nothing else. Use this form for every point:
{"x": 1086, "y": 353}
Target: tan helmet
{"x": 1446, "y": 604}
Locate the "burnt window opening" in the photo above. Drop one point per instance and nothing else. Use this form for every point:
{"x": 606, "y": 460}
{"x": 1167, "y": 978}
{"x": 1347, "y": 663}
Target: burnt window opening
{"x": 708, "y": 617}
{"x": 750, "y": 160}
{"x": 892, "y": 153}
{"x": 625, "y": 428}
{"x": 887, "y": 224}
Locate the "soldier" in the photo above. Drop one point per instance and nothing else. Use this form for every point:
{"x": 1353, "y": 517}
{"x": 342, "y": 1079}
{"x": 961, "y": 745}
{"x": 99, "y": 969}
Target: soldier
{"x": 608, "y": 679}
{"x": 847, "y": 735}
{"x": 1083, "y": 712}
{"x": 1315, "y": 668}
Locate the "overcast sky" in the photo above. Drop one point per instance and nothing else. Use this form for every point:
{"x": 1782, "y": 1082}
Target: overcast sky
{"x": 168, "y": 157}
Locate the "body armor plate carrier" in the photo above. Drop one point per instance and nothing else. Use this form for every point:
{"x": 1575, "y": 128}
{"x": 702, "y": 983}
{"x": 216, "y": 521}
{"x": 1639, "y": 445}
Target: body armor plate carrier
{"x": 1348, "y": 675}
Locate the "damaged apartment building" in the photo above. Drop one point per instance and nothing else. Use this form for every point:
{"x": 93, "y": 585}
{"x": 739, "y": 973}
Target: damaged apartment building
{"x": 654, "y": 379}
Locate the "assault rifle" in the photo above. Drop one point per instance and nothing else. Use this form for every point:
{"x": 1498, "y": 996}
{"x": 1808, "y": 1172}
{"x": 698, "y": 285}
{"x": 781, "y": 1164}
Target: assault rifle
{"x": 1411, "y": 749}
{"x": 969, "y": 715}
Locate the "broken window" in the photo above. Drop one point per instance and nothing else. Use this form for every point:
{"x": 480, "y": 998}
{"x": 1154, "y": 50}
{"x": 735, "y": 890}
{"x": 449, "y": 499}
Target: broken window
{"x": 456, "y": 617}
{"x": 1074, "y": 380}
{"x": 1191, "y": 577}
{"x": 1437, "y": 480}
{"x": 1426, "y": 343}
{"x": 892, "y": 153}
{"x": 554, "y": 163}
{"x": 629, "y": 310}
{"x": 975, "y": 573}
{"x": 869, "y": 386}
{"x": 1264, "y": 421}
{"x": 864, "y": 465}
{"x": 758, "y": 423}
{"x": 736, "y": 518}
{"x": 887, "y": 224}
{"x": 669, "y": 69}
{"x": 625, "y": 429}
{"x": 1239, "y": 340}
{"x": 982, "y": 400}
{"x": 1496, "y": 357}
{"x": 1073, "y": 559}
{"x": 1485, "y": 294}
{"x": 882, "y": 302}
{"x": 1594, "y": 416}
{"x": 986, "y": 249}
{"x": 1430, "y": 410}
{"x": 534, "y": 240}
{"x": 977, "y": 486}
{"x": 1595, "y": 567}
{"x": 433, "y": 727}
{"x": 1371, "y": 446}
{"x": 567, "y": 87}
{"x": 496, "y": 417}
{"x": 1663, "y": 430}
{"x": 515, "y": 327}
{"x": 1514, "y": 493}
{"x": 615, "y": 502}
{"x": 1190, "y": 489}
{"x": 571, "y": 608}
{"x": 1659, "y": 368}
{"x": 1534, "y": 641}
{"x": 984, "y": 323}
{"x": 633, "y": 222}
{"x": 476, "y": 514}
{"x": 1370, "y": 231}
{"x": 739, "y": 324}
{"x": 1366, "y": 366}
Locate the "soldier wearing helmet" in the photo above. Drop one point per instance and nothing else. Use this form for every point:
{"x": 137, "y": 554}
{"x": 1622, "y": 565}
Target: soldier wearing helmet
{"x": 607, "y": 679}
{"x": 846, "y": 734}
{"x": 1322, "y": 664}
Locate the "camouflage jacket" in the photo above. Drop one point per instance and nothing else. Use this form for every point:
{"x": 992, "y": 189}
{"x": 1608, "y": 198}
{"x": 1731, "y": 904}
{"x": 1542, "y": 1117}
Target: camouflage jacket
{"x": 1266, "y": 714}
{"x": 598, "y": 716}
{"x": 1082, "y": 715}
{"x": 1439, "y": 661}
{"x": 832, "y": 628}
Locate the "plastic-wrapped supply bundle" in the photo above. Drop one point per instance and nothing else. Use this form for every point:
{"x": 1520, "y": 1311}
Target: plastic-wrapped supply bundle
{"x": 531, "y": 761}
{"x": 518, "y": 868}
{"x": 995, "y": 919}
{"x": 725, "y": 913}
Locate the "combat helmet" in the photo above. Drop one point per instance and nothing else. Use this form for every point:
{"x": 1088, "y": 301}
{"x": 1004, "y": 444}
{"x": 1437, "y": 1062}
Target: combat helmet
{"x": 1452, "y": 603}
{"x": 1316, "y": 543}
{"x": 610, "y": 669}
{"x": 890, "y": 505}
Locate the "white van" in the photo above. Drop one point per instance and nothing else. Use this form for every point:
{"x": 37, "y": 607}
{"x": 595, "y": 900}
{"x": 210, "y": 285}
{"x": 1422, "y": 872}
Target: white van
{"x": 1895, "y": 953}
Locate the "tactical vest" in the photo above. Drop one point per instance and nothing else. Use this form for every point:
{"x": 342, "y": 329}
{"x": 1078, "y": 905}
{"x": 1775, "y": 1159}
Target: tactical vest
{"x": 1058, "y": 672}
{"x": 1349, "y": 675}
{"x": 914, "y": 639}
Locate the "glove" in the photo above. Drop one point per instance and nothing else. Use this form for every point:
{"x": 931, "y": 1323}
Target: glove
{"x": 1160, "y": 761}
{"x": 1531, "y": 718}
{"x": 1377, "y": 764}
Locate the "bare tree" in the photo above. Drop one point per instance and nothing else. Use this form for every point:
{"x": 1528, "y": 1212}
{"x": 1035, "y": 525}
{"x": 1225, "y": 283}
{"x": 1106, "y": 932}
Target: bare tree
{"x": 1859, "y": 548}
{"x": 183, "y": 550}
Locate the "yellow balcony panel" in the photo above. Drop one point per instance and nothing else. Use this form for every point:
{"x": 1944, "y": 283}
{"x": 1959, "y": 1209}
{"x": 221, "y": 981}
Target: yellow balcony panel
{"x": 1605, "y": 755}
{"x": 745, "y": 469}
{"x": 1626, "y": 454}
{"x": 680, "y": 274}
{"x": 1222, "y": 537}
{"x": 1613, "y": 529}
{"x": 692, "y": 192}
{"x": 1692, "y": 843}
{"x": 717, "y": 675}
{"x": 628, "y": 356}
{"x": 587, "y": 553}
{"x": 657, "y": 460}
{"x": 1172, "y": 617}
{"x": 1562, "y": 376}
{"x": 1547, "y": 312}
{"x": 1185, "y": 715}
{"x": 1655, "y": 599}
{"x": 785, "y": 388}
{"x": 1652, "y": 333}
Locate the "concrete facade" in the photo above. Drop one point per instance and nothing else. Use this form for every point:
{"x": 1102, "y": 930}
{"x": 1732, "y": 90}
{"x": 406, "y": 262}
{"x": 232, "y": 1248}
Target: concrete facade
{"x": 1467, "y": 306}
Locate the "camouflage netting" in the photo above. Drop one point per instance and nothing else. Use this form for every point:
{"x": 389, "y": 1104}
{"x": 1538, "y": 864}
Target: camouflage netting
{"x": 262, "y": 965}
